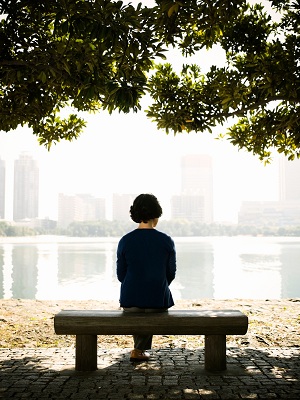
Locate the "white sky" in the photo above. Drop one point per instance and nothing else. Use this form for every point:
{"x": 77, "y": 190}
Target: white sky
{"x": 127, "y": 154}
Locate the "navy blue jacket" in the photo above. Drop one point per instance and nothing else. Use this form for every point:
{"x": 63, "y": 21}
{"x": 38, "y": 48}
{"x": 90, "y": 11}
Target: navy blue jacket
{"x": 146, "y": 265}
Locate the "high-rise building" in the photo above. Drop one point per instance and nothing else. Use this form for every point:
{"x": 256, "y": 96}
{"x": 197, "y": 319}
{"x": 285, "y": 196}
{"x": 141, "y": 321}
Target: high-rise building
{"x": 81, "y": 207}
{"x": 121, "y": 206}
{"x": 283, "y": 213}
{"x": 189, "y": 207}
{"x": 289, "y": 180}
{"x": 26, "y": 188}
{"x": 196, "y": 199}
{"x": 2, "y": 189}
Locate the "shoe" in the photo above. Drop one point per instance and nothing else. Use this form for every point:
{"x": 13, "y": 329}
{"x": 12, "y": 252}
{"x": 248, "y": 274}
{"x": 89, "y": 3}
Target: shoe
{"x": 139, "y": 355}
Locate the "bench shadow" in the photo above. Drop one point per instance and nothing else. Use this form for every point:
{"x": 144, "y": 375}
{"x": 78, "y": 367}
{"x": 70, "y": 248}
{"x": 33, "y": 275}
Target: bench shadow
{"x": 170, "y": 373}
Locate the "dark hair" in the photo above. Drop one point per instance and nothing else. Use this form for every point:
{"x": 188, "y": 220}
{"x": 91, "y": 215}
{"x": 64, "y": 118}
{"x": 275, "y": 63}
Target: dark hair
{"x": 144, "y": 208}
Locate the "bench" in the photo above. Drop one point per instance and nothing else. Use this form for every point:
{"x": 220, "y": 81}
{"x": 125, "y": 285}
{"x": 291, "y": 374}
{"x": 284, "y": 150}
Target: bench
{"x": 87, "y": 324}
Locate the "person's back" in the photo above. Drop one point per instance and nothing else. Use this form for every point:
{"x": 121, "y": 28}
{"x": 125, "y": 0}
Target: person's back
{"x": 146, "y": 265}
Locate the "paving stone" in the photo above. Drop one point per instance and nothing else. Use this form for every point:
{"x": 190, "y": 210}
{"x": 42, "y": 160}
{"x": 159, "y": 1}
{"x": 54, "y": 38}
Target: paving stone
{"x": 171, "y": 374}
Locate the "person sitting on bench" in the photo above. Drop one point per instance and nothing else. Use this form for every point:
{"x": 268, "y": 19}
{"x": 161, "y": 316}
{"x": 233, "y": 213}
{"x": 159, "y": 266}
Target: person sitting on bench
{"x": 146, "y": 265}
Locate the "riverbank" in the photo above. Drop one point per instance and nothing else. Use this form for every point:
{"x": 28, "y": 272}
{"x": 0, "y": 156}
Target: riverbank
{"x": 29, "y": 323}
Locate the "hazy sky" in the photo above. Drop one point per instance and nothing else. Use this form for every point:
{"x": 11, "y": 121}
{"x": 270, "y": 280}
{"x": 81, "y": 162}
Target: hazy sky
{"x": 127, "y": 154}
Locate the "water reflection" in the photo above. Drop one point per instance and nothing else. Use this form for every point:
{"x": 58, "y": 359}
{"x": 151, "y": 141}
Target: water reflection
{"x": 88, "y": 271}
{"x": 207, "y": 268}
{"x": 290, "y": 259}
{"x": 195, "y": 273}
{"x": 24, "y": 275}
{"x": 47, "y": 266}
{"x": 249, "y": 267}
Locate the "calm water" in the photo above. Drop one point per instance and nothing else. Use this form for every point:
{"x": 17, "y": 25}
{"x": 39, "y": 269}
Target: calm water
{"x": 48, "y": 268}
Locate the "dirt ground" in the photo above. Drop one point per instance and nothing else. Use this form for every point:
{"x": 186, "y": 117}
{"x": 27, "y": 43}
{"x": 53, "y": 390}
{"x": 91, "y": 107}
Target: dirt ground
{"x": 29, "y": 323}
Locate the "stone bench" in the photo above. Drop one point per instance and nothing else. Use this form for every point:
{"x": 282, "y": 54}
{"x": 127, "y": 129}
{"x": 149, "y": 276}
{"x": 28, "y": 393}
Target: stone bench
{"x": 87, "y": 324}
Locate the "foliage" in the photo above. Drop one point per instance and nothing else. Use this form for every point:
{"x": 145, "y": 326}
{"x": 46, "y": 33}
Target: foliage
{"x": 259, "y": 86}
{"x": 84, "y": 54}
{"x": 98, "y": 54}
{"x": 12, "y": 231}
{"x": 103, "y": 228}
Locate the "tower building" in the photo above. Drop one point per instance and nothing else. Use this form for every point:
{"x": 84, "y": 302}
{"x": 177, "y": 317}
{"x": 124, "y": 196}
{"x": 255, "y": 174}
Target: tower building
{"x": 286, "y": 211}
{"x": 2, "y": 189}
{"x": 121, "y": 206}
{"x": 26, "y": 188}
{"x": 79, "y": 208}
{"x": 196, "y": 198}
{"x": 289, "y": 180}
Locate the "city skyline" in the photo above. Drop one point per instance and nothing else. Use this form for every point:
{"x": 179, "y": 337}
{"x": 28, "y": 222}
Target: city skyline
{"x": 166, "y": 205}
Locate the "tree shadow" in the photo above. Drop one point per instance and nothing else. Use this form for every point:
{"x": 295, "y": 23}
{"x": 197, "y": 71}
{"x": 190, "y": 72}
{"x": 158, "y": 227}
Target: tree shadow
{"x": 170, "y": 374}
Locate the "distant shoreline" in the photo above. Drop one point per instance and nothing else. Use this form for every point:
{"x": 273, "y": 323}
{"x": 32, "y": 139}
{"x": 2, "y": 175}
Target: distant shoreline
{"x": 109, "y": 239}
{"x": 55, "y": 239}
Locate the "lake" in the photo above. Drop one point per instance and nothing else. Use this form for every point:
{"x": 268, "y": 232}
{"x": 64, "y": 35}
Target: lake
{"x": 61, "y": 268}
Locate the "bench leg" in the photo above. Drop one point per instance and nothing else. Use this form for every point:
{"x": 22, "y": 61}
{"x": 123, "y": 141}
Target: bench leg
{"x": 86, "y": 353}
{"x": 215, "y": 352}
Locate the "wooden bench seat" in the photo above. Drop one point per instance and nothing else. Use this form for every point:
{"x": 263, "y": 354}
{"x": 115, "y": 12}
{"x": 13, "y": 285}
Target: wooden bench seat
{"x": 87, "y": 324}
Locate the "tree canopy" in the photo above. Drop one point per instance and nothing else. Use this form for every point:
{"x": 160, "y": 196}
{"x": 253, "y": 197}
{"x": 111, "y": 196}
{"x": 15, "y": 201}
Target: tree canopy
{"x": 99, "y": 54}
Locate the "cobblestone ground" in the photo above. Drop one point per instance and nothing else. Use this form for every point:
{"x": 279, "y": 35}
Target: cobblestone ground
{"x": 271, "y": 373}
